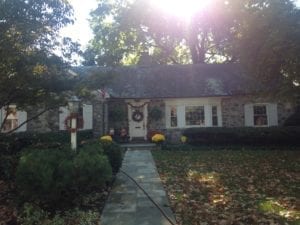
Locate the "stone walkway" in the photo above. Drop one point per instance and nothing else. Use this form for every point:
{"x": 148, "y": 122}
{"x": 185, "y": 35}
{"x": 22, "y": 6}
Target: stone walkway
{"x": 127, "y": 204}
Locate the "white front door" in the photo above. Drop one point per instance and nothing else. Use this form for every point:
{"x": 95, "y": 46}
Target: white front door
{"x": 137, "y": 117}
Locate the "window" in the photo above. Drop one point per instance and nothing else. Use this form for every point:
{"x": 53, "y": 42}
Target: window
{"x": 260, "y": 115}
{"x": 214, "y": 116}
{"x": 11, "y": 121}
{"x": 194, "y": 115}
{"x": 173, "y": 116}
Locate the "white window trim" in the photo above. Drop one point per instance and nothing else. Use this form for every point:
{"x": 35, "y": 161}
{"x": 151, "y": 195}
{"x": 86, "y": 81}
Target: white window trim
{"x": 181, "y": 104}
{"x": 267, "y": 114}
{"x": 21, "y": 117}
{"x": 272, "y": 116}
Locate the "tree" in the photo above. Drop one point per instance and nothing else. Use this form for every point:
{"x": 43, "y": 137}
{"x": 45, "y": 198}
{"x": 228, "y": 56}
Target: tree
{"x": 30, "y": 73}
{"x": 267, "y": 44}
{"x": 261, "y": 35}
{"x": 124, "y": 31}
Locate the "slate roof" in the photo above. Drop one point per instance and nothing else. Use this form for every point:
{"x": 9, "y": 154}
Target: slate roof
{"x": 173, "y": 81}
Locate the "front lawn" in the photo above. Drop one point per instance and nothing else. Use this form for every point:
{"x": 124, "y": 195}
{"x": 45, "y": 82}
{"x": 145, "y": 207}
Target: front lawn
{"x": 232, "y": 187}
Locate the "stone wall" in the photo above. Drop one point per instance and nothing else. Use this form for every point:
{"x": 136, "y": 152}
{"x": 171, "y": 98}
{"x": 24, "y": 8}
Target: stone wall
{"x": 233, "y": 110}
{"x": 48, "y": 121}
{"x": 285, "y": 110}
{"x": 100, "y": 117}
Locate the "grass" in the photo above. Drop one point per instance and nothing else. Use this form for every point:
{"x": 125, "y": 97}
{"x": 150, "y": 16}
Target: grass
{"x": 232, "y": 187}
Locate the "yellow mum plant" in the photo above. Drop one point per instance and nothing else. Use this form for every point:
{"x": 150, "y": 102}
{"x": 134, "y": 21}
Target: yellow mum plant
{"x": 106, "y": 138}
{"x": 158, "y": 138}
{"x": 183, "y": 139}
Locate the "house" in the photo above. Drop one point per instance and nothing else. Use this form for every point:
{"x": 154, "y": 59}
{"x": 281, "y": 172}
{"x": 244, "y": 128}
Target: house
{"x": 170, "y": 98}
{"x": 186, "y": 96}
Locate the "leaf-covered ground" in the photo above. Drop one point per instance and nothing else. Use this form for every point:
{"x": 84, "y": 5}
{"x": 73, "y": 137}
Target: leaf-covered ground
{"x": 232, "y": 187}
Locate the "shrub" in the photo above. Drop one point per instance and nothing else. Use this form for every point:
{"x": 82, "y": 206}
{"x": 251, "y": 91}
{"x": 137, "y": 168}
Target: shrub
{"x": 11, "y": 144}
{"x": 114, "y": 154}
{"x": 38, "y": 176}
{"x": 92, "y": 170}
{"x": 32, "y": 214}
{"x": 58, "y": 176}
{"x": 8, "y": 165}
{"x": 244, "y": 136}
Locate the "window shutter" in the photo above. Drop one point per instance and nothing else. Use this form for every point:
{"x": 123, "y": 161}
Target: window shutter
{"x": 63, "y": 114}
{"x": 249, "y": 120}
{"x": 87, "y": 117}
{"x": 22, "y": 117}
{"x": 208, "y": 115}
{"x": 181, "y": 116}
{"x": 168, "y": 116}
{"x": 272, "y": 114}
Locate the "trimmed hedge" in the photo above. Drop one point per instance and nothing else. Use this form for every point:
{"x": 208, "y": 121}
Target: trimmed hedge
{"x": 58, "y": 176}
{"x": 244, "y": 136}
{"x": 114, "y": 154}
{"x": 10, "y": 144}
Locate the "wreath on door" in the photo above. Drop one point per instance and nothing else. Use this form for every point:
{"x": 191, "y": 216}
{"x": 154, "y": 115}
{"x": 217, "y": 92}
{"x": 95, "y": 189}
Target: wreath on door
{"x": 137, "y": 116}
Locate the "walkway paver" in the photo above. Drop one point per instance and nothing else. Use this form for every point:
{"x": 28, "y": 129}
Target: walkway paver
{"x": 127, "y": 204}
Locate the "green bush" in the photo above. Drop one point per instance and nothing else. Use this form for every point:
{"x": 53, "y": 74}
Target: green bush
{"x": 244, "y": 136}
{"x": 11, "y": 144}
{"x": 57, "y": 176}
{"x": 32, "y": 215}
{"x": 38, "y": 176}
{"x": 92, "y": 170}
{"x": 114, "y": 154}
{"x": 8, "y": 165}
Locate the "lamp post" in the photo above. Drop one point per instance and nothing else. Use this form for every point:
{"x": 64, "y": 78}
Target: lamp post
{"x": 73, "y": 105}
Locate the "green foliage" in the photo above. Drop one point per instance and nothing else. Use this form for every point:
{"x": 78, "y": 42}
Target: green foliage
{"x": 8, "y": 165}
{"x": 117, "y": 112}
{"x": 39, "y": 175}
{"x": 267, "y": 49}
{"x": 32, "y": 215}
{"x": 235, "y": 31}
{"x": 243, "y": 136}
{"x": 56, "y": 176}
{"x": 30, "y": 72}
{"x": 114, "y": 154}
{"x": 17, "y": 141}
{"x": 155, "y": 113}
{"x": 92, "y": 170}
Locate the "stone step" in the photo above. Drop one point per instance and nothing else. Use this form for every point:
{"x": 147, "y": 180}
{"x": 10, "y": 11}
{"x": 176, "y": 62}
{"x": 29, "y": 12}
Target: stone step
{"x": 138, "y": 146}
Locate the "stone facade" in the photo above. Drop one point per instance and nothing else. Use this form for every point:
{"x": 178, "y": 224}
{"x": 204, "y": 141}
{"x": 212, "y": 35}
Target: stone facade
{"x": 233, "y": 112}
{"x": 100, "y": 117}
{"x": 285, "y": 110}
{"x": 48, "y": 121}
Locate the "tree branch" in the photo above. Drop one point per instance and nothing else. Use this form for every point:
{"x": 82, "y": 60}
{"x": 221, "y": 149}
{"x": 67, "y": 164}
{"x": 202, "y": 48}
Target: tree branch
{"x": 5, "y": 118}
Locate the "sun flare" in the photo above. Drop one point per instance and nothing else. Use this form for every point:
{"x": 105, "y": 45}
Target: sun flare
{"x": 181, "y": 8}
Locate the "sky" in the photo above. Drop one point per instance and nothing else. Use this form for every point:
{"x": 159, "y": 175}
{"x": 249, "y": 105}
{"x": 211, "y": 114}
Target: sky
{"x": 80, "y": 31}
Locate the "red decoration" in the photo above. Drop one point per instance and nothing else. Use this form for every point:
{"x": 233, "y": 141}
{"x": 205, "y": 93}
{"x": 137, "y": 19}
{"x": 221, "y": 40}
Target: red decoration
{"x": 79, "y": 123}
